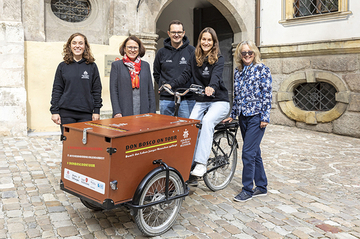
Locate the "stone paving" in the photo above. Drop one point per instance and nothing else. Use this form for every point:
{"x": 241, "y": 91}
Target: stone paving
{"x": 314, "y": 192}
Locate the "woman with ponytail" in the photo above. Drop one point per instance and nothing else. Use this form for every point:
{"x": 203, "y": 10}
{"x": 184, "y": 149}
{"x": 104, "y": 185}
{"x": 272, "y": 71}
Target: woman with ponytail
{"x": 206, "y": 68}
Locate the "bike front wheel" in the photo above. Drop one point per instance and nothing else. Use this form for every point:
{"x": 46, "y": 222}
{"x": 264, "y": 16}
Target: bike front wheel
{"x": 156, "y": 220}
{"x": 222, "y": 162}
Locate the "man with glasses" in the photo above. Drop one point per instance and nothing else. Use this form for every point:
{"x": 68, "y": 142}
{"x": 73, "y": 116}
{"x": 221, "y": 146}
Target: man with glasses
{"x": 170, "y": 61}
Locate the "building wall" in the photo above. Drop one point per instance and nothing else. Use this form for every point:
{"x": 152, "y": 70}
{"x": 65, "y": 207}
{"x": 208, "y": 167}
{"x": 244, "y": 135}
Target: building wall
{"x": 110, "y": 22}
{"x": 320, "y": 46}
{"x": 12, "y": 84}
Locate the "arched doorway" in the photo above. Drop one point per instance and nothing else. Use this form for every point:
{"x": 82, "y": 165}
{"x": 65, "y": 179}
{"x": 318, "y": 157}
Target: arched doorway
{"x": 211, "y": 17}
{"x": 196, "y": 15}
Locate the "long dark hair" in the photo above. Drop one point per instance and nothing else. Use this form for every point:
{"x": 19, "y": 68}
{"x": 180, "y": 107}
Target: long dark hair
{"x": 68, "y": 56}
{"x": 214, "y": 53}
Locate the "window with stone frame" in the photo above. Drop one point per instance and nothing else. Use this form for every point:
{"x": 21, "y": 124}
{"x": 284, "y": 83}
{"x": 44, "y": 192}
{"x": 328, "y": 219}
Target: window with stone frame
{"x": 313, "y": 96}
{"x": 308, "y": 11}
{"x": 319, "y": 96}
{"x": 304, "y": 8}
{"x": 71, "y": 10}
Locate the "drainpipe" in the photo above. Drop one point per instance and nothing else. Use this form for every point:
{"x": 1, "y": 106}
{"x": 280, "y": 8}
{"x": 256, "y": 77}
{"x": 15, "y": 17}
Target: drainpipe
{"x": 257, "y": 23}
{"x": 138, "y": 5}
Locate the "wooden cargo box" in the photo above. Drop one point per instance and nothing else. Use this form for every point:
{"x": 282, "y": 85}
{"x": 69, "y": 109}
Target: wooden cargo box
{"x": 96, "y": 153}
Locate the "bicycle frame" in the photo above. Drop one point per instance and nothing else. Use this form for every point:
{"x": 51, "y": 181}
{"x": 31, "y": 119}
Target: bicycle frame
{"x": 227, "y": 128}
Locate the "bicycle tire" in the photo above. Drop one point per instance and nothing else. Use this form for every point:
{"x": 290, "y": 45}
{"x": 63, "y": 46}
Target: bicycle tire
{"x": 220, "y": 177}
{"x": 156, "y": 220}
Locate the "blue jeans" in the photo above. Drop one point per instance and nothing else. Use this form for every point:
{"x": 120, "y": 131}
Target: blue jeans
{"x": 167, "y": 107}
{"x": 253, "y": 168}
{"x": 216, "y": 112}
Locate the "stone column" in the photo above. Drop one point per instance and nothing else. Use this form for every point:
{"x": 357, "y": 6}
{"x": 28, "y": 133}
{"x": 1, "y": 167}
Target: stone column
{"x": 13, "y": 119}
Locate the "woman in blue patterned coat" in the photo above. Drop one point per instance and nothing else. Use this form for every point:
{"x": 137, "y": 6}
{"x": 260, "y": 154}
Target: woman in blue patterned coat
{"x": 252, "y": 104}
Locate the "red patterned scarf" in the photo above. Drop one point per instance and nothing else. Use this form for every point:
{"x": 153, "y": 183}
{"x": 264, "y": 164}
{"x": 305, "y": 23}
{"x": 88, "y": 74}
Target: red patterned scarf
{"x": 134, "y": 69}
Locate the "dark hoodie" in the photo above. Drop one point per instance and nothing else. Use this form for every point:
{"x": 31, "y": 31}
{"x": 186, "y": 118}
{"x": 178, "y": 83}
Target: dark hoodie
{"x": 77, "y": 87}
{"x": 205, "y": 75}
{"x": 170, "y": 63}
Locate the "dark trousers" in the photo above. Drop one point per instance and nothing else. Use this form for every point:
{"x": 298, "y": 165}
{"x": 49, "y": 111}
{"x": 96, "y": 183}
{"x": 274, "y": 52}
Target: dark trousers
{"x": 253, "y": 168}
{"x": 71, "y": 116}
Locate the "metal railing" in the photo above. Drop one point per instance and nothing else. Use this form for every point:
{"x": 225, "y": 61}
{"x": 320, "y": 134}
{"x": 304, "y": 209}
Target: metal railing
{"x": 315, "y": 96}
{"x": 71, "y": 10}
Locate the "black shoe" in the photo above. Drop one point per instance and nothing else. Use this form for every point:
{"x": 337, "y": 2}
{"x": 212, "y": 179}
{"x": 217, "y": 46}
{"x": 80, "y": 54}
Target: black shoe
{"x": 242, "y": 197}
{"x": 258, "y": 192}
{"x": 193, "y": 181}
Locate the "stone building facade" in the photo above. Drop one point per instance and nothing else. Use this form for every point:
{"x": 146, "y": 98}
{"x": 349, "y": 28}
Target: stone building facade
{"x": 32, "y": 38}
{"x": 317, "y": 48}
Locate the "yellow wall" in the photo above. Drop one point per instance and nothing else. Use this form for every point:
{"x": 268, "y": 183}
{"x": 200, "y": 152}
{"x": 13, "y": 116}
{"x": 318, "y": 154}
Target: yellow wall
{"x": 41, "y": 61}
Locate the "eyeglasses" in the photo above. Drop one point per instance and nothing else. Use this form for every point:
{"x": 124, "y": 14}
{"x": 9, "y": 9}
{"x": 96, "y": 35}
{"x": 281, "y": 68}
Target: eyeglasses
{"x": 176, "y": 33}
{"x": 244, "y": 53}
{"x": 132, "y": 48}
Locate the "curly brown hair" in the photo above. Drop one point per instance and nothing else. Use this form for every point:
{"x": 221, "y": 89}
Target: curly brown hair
{"x": 214, "y": 52}
{"x": 68, "y": 56}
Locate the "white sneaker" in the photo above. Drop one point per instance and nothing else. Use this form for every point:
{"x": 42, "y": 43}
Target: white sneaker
{"x": 199, "y": 170}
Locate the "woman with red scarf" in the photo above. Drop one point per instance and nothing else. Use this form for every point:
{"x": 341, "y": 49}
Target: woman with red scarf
{"x": 131, "y": 86}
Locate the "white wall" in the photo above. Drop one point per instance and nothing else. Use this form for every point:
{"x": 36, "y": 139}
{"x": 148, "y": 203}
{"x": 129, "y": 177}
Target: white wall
{"x": 274, "y": 33}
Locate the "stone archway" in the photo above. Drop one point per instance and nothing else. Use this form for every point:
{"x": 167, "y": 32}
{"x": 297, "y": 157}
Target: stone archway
{"x": 148, "y": 13}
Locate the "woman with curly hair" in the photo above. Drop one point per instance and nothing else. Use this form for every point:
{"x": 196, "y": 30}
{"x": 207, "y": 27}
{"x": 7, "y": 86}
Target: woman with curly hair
{"x": 76, "y": 93}
{"x": 206, "y": 67}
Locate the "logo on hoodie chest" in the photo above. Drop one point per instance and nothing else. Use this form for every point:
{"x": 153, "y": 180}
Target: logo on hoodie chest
{"x": 85, "y": 76}
{"x": 206, "y": 71}
{"x": 183, "y": 61}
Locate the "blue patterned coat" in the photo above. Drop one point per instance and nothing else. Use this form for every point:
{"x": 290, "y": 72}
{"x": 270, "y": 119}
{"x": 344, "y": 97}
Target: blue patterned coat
{"x": 252, "y": 92}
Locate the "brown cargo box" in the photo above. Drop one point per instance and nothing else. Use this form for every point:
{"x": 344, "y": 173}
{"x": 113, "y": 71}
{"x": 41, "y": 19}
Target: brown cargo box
{"x": 96, "y": 153}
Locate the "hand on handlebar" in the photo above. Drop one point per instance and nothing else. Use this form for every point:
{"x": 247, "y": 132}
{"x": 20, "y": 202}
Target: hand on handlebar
{"x": 167, "y": 85}
{"x": 209, "y": 91}
{"x": 229, "y": 119}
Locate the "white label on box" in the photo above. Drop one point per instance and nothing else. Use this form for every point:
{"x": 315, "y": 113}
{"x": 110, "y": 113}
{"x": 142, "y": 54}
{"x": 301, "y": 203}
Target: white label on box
{"x": 84, "y": 181}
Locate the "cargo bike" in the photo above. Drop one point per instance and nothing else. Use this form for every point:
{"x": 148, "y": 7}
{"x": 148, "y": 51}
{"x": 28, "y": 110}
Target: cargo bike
{"x": 141, "y": 162}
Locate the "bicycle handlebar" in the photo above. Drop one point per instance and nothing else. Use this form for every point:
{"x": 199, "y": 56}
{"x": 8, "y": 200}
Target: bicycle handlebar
{"x": 197, "y": 89}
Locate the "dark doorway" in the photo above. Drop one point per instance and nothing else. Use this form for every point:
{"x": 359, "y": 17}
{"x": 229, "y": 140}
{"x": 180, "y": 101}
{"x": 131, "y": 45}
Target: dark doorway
{"x": 211, "y": 17}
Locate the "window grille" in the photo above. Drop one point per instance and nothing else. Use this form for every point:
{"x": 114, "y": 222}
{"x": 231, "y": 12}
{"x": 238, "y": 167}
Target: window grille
{"x": 315, "y": 96}
{"x": 313, "y": 7}
{"x": 71, "y": 10}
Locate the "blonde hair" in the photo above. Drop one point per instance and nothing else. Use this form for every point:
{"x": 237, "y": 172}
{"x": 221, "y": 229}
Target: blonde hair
{"x": 253, "y": 47}
{"x": 214, "y": 52}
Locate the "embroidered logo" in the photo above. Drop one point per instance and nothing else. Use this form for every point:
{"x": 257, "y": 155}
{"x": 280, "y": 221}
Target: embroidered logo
{"x": 85, "y": 75}
{"x": 205, "y": 72}
{"x": 168, "y": 60}
{"x": 183, "y": 61}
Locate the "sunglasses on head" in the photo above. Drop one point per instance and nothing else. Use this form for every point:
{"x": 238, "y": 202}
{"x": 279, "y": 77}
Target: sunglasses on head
{"x": 244, "y": 53}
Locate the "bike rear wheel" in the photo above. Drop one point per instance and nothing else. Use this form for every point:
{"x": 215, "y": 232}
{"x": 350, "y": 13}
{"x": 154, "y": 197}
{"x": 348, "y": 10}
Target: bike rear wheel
{"x": 222, "y": 162}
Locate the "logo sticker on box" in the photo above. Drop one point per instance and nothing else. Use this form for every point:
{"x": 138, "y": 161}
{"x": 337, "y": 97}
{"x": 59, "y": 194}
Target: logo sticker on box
{"x": 84, "y": 181}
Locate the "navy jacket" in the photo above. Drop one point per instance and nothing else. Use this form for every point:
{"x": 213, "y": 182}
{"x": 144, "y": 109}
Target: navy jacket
{"x": 121, "y": 89}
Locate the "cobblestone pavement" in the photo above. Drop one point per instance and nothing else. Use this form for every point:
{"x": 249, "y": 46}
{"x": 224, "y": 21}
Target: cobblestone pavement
{"x": 314, "y": 192}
